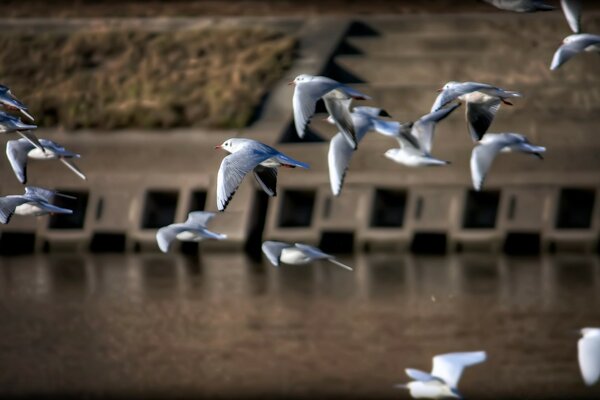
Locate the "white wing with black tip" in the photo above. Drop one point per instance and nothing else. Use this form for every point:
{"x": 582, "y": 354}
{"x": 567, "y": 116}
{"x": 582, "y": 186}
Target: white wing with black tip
{"x": 17, "y": 151}
{"x": 480, "y": 116}
{"x": 267, "y": 179}
{"x": 304, "y": 100}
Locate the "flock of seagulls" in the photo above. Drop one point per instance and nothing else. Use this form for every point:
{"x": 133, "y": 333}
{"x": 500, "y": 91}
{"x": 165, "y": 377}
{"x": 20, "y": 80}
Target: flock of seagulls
{"x": 415, "y": 144}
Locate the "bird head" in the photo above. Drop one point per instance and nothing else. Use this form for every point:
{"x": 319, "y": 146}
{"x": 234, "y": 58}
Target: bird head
{"x": 230, "y": 145}
{"x": 300, "y": 79}
{"x": 447, "y": 86}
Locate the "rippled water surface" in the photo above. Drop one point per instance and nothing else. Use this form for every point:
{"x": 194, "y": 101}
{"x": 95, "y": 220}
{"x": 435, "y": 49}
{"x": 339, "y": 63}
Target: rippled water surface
{"x": 166, "y": 325}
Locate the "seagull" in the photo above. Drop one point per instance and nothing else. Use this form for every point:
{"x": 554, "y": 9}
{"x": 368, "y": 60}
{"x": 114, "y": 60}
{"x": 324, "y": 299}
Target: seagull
{"x": 18, "y": 151}
{"x": 490, "y": 145}
{"x": 249, "y": 155}
{"x": 10, "y": 102}
{"x": 337, "y": 97}
{"x": 589, "y": 355}
{"x": 575, "y": 44}
{"x": 443, "y": 380}
{"x": 483, "y": 101}
{"x": 9, "y": 124}
{"x": 523, "y": 6}
{"x": 296, "y": 254}
{"x": 192, "y": 230}
{"x": 572, "y": 11}
{"x": 35, "y": 202}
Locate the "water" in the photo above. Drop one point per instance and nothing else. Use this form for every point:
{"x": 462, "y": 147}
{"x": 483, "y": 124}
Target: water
{"x": 166, "y": 325}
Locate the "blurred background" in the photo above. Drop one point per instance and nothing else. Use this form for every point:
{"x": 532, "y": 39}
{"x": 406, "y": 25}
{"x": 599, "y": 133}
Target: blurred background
{"x": 144, "y": 90}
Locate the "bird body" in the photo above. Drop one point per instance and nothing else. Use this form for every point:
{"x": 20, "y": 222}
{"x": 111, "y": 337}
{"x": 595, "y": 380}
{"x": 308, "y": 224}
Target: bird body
{"x": 588, "y": 352}
{"x": 296, "y": 254}
{"x": 192, "y": 230}
{"x": 35, "y": 202}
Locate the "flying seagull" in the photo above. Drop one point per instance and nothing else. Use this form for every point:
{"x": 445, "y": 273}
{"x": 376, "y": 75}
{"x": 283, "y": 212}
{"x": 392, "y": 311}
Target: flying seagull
{"x": 573, "y": 45}
{"x": 35, "y": 202}
{"x": 192, "y": 230}
{"x": 10, "y": 102}
{"x": 9, "y": 124}
{"x": 296, "y": 254}
{"x": 588, "y": 349}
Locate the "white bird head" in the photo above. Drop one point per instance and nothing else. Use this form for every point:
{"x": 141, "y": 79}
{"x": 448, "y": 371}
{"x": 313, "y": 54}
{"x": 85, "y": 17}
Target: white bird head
{"x": 590, "y": 331}
{"x": 448, "y": 85}
{"x": 392, "y": 153}
{"x": 301, "y": 78}
{"x": 231, "y": 145}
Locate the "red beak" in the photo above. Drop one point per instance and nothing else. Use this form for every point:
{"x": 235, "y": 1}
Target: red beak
{"x": 218, "y": 147}
{"x": 291, "y": 83}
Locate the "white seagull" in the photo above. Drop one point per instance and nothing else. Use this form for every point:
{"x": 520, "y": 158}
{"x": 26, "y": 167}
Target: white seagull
{"x": 443, "y": 380}
{"x": 10, "y": 102}
{"x": 35, "y": 202}
{"x": 296, "y": 254}
{"x": 249, "y": 155}
{"x": 18, "y": 151}
{"x": 588, "y": 349}
{"x": 483, "y": 101}
{"x": 523, "y": 6}
{"x": 337, "y": 97}
{"x": 573, "y": 45}
{"x": 10, "y": 124}
{"x": 572, "y": 11}
{"x": 490, "y": 145}
{"x": 192, "y": 230}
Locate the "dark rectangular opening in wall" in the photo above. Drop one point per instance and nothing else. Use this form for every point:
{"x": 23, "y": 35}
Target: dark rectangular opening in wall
{"x": 429, "y": 243}
{"x": 337, "y": 242}
{"x": 159, "y": 209}
{"x": 108, "y": 242}
{"x": 575, "y": 209}
{"x": 296, "y": 208}
{"x": 78, "y": 205}
{"x": 14, "y": 243}
{"x": 198, "y": 200}
{"x": 481, "y": 209}
{"x": 518, "y": 243}
{"x": 257, "y": 225}
{"x": 388, "y": 208}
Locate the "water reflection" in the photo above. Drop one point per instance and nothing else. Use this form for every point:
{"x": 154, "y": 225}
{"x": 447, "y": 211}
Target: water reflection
{"x": 163, "y": 324}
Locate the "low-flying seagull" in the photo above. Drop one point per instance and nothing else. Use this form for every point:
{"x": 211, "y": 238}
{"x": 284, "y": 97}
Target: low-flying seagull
{"x": 573, "y": 45}
{"x": 443, "y": 380}
{"x": 588, "y": 351}
{"x": 523, "y": 6}
{"x": 572, "y": 11}
{"x": 483, "y": 101}
{"x": 192, "y": 230}
{"x": 249, "y": 155}
{"x": 18, "y": 151}
{"x": 10, "y": 124}
{"x": 296, "y": 254}
{"x": 35, "y": 202}
{"x": 337, "y": 97}
{"x": 10, "y": 102}
{"x": 490, "y": 145}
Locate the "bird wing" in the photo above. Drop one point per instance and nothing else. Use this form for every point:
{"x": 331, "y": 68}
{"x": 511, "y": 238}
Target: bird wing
{"x": 386, "y": 128}
{"x": 212, "y": 235}
{"x": 39, "y": 193}
{"x": 409, "y": 143}
{"x": 482, "y": 157}
{"x": 339, "y": 109}
{"x": 71, "y": 165}
{"x": 272, "y": 250}
{"x": 420, "y": 376}
{"x": 312, "y": 252}
{"x": 30, "y": 137}
{"x": 165, "y": 235}
{"x": 338, "y": 159}
{"x": 480, "y": 116}
{"x": 16, "y": 151}
{"x": 589, "y": 358}
{"x": 449, "y": 94}
{"x": 197, "y": 219}
{"x": 267, "y": 179}
{"x": 8, "y": 205}
{"x": 423, "y": 129}
{"x": 305, "y": 99}
{"x": 233, "y": 169}
{"x": 449, "y": 367}
{"x": 567, "y": 50}
{"x": 572, "y": 11}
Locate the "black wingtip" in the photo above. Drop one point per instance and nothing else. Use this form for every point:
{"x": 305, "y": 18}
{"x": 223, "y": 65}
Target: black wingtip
{"x": 383, "y": 113}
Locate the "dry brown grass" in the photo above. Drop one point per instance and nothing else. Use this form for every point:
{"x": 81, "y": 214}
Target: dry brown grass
{"x": 113, "y": 80}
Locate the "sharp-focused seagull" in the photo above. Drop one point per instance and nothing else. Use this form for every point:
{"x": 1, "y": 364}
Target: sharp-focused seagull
{"x": 10, "y": 102}
{"x": 249, "y": 155}
{"x": 192, "y": 230}
{"x": 9, "y": 124}
{"x": 572, "y": 11}
{"x": 337, "y": 97}
{"x": 296, "y": 254}
{"x": 490, "y": 145}
{"x": 35, "y": 202}
{"x": 520, "y": 5}
{"x": 575, "y": 44}
{"x": 443, "y": 380}
{"x": 18, "y": 151}
{"x": 483, "y": 101}
{"x": 588, "y": 351}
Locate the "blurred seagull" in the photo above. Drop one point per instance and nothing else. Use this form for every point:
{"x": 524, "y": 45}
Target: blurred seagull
{"x": 296, "y": 254}
{"x": 337, "y": 97}
{"x": 35, "y": 202}
{"x": 10, "y": 102}
{"x": 9, "y": 124}
{"x": 483, "y": 101}
{"x": 18, "y": 151}
{"x": 522, "y": 6}
{"x": 192, "y": 230}
{"x": 249, "y": 155}
{"x": 575, "y": 44}
{"x": 490, "y": 145}
{"x": 572, "y": 11}
{"x": 588, "y": 349}
{"x": 443, "y": 380}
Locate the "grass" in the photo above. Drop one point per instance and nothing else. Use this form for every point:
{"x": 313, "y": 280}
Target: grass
{"x": 117, "y": 79}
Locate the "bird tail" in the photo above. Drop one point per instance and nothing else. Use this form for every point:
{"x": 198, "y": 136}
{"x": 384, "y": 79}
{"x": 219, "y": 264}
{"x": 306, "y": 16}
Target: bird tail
{"x": 283, "y": 159}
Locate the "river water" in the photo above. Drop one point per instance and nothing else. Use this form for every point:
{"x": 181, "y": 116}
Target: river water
{"x": 221, "y": 325}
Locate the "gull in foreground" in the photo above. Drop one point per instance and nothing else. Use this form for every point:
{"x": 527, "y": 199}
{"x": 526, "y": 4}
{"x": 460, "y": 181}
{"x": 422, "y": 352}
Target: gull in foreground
{"x": 483, "y": 101}
{"x": 10, "y": 102}
{"x": 573, "y": 45}
{"x": 296, "y": 254}
{"x": 572, "y": 11}
{"x": 249, "y": 155}
{"x": 337, "y": 97}
{"x": 523, "y": 6}
{"x": 18, "y": 151}
{"x": 10, "y": 124}
{"x": 35, "y": 202}
{"x": 588, "y": 349}
{"x": 490, "y": 145}
{"x": 443, "y": 380}
{"x": 192, "y": 230}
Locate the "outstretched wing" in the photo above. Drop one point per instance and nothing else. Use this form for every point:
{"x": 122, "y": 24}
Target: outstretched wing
{"x": 482, "y": 158}
{"x": 305, "y": 99}
{"x": 420, "y": 376}
{"x": 267, "y": 179}
{"x": 338, "y": 159}
{"x": 166, "y": 235}
{"x": 339, "y": 109}
{"x": 449, "y": 367}
{"x": 588, "y": 349}
{"x": 199, "y": 219}
{"x": 16, "y": 151}
{"x": 480, "y": 116}
{"x": 40, "y": 193}
{"x": 8, "y": 205}
{"x": 424, "y": 128}
{"x": 567, "y": 50}
{"x": 272, "y": 250}
{"x": 572, "y": 11}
